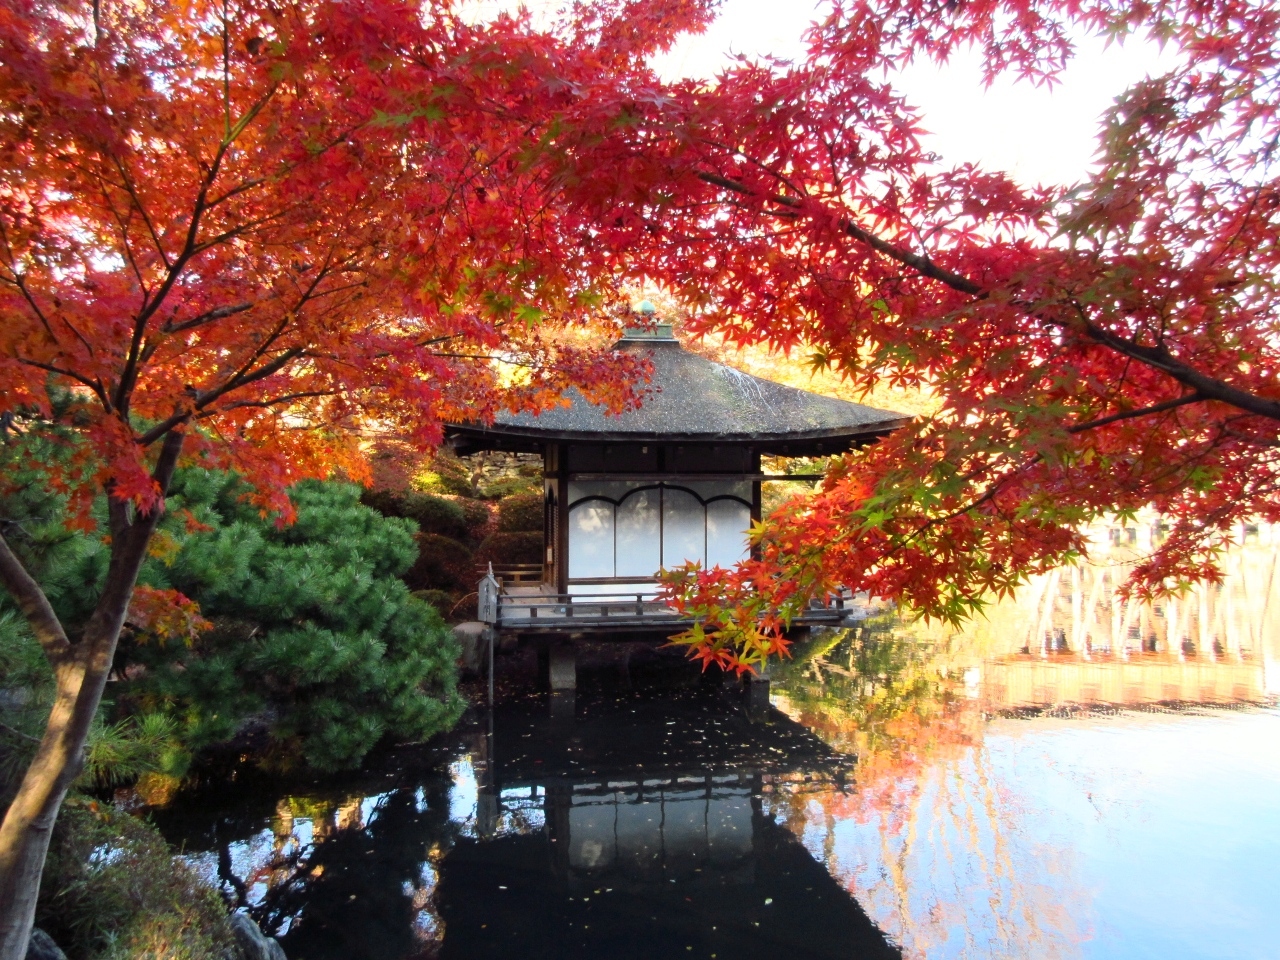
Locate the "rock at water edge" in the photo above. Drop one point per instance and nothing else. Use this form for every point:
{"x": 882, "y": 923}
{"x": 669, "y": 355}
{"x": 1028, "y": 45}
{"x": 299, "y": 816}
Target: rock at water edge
{"x": 42, "y": 947}
{"x": 251, "y": 942}
{"x": 473, "y": 638}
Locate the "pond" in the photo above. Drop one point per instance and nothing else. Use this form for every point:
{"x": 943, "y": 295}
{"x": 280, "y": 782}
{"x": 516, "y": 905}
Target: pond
{"x": 1070, "y": 777}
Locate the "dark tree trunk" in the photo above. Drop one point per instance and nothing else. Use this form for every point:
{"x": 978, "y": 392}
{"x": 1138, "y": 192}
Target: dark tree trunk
{"x": 80, "y": 672}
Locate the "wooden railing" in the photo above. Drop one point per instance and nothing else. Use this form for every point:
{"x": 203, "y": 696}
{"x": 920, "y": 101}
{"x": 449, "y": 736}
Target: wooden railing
{"x": 622, "y": 608}
{"x": 513, "y": 572}
{"x": 582, "y": 607}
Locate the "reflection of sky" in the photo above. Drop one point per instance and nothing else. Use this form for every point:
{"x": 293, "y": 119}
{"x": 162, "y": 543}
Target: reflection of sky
{"x": 1133, "y": 836}
{"x": 464, "y": 795}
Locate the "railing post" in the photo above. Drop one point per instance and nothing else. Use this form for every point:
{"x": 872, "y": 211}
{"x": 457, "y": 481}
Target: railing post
{"x": 487, "y": 598}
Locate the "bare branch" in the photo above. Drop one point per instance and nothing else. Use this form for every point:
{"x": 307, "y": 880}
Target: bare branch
{"x": 1142, "y": 412}
{"x": 34, "y": 605}
{"x": 209, "y": 316}
{"x": 1157, "y": 357}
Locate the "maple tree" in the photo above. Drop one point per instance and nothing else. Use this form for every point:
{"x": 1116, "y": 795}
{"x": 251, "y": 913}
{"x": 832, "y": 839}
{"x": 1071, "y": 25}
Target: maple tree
{"x": 240, "y": 235}
{"x": 1094, "y": 349}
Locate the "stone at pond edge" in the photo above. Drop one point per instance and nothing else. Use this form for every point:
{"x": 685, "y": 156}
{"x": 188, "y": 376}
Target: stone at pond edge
{"x": 42, "y": 947}
{"x": 473, "y": 638}
{"x": 251, "y": 942}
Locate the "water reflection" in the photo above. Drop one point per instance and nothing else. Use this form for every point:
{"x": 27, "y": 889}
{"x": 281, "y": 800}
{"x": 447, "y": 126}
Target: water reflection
{"x": 644, "y": 824}
{"x": 1068, "y": 639}
{"x": 1071, "y": 777}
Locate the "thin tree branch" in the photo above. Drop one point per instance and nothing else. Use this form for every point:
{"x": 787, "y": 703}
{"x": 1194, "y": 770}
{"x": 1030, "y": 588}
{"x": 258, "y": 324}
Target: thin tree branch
{"x": 1158, "y": 357}
{"x": 209, "y": 316}
{"x": 1142, "y": 412}
{"x": 35, "y": 606}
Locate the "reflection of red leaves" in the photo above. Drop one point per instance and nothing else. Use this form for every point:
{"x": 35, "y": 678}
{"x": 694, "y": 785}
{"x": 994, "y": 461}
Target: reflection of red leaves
{"x": 165, "y": 615}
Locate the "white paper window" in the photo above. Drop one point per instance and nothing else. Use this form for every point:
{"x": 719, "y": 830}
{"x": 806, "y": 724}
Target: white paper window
{"x": 591, "y": 539}
{"x": 639, "y": 532}
{"x": 684, "y": 528}
{"x": 727, "y": 525}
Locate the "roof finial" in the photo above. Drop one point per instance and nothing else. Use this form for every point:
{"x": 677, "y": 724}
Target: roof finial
{"x": 646, "y": 308}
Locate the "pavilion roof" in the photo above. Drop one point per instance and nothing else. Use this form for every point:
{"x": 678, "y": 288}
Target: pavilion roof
{"x": 695, "y": 399}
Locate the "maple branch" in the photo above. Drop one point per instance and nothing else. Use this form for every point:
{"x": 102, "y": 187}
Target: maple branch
{"x": 1157, "y": 357}
{"x": 93, "y": 385}
{"x": 921, "y": 264}
{"x": 127, "y": 183}
{"x": 286, "y": 398}
{"x": 33, "y": 603}
{"x": 1161, "y": 359}
{"x": 1247, "y": 438}
{"x": 1141, "y": 412}
{"x": 236, "y": 191}
{"x": 204, "y": 399}
{"x": 190, "y": 248}
{"x": 209, "y": 316}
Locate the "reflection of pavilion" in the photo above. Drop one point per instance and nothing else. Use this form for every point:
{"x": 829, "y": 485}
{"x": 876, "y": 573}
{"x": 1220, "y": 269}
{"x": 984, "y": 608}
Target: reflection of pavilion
{"x": 655, "y": 841}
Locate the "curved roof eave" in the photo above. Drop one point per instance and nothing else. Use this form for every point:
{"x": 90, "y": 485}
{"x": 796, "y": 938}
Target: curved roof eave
{"x": 694, "y": 399}
{"x": 875, "y": 429}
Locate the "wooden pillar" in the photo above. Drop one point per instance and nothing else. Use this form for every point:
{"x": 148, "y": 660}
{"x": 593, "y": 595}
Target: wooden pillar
{"x": 753, "y": 465}
{"x": 562, "y": 668}
{"x": 562, "y": 519}
{"x": 550, "y": 504}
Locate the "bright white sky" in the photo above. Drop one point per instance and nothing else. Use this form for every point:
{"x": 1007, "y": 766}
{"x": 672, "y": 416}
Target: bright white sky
{"x": 1037, "y": 135}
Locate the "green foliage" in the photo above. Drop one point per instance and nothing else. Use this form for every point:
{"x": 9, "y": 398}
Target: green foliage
{"x": 442, "y": 600}
{"x": 507, "y": 548}
{"x": 521, "y": 513}
{"x": 22, "y": 663}
{"x": 510, "y": 486}
{"x": 315, "y": 636}
{"x": 35, "y": 515}
{"x": 122, "y": 752}
{"x": 113, "y": 890}
{"x": 114, "y": 754}
{"x": 446, "y": 474}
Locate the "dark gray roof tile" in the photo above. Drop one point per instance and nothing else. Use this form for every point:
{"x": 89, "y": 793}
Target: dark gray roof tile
{"x": 694, "y": 398}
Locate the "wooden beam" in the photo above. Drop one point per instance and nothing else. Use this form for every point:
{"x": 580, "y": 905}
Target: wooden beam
{"x": 760, "y": 477}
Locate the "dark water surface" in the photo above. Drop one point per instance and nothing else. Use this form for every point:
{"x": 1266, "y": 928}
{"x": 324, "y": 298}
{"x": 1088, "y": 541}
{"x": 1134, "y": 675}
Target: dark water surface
{"x": 1025, "y": 791}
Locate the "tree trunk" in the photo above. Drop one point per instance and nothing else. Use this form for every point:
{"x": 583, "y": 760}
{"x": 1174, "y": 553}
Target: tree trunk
{"x": 28, "y": 824}
{"x": 80, "y": 672}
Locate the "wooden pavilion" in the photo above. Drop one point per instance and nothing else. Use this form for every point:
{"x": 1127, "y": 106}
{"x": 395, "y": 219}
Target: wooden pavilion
{"x": 676, "y": 480}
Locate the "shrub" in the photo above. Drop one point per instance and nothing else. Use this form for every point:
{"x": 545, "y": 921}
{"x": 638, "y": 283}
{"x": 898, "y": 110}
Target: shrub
{"x": 315, "y": 635}
{"x": 112, "y": 890}
{"x": 442, "y": 564}
{"x": 445, "y": 474}
{"x": 440, "y": 600}
{"x": 437, "y": 515}
{"x": 479, "y": 516}
{"x": 510, "y": 486}
{"x": 508, "y": 548}
{"x": 431, "y": 514}
{"x": 522, "y": 513}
